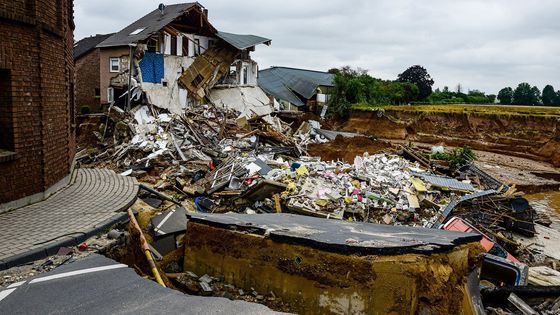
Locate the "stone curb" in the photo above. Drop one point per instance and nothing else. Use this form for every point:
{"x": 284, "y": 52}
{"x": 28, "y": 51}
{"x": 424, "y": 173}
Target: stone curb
{"x": 52, "y": 248}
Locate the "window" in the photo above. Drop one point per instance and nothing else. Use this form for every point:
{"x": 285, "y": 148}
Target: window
{"x": 174, "y": 45}
{"x": 167, "y": 44}
{"x": 245, "y": 74}
{"x": 97, "y": 93}
{"x": 199, "y": 78}
{"x": 6, "y": 126}
{"x": 153, "y": 45}
{"x": 196, "y": 47}
{"x": 115, "y": 65}
{"x": 110, "y": 95}
{"x": 211, "y": 43}
{"x": 185, "y": 44}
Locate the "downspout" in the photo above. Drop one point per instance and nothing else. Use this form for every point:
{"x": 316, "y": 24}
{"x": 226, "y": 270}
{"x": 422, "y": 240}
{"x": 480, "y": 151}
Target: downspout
{"x": 129, "y": 75}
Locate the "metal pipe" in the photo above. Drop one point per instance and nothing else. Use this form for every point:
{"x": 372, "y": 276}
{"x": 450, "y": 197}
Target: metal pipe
{"x": 145, "y": 248}
{"x": 162, "y": 196}
{"x": 129, "y": 75}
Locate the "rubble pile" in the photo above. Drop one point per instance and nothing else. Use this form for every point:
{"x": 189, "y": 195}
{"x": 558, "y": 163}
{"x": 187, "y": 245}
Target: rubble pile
{"x": 210, "y": 159}
{"x": 377, "y": 189}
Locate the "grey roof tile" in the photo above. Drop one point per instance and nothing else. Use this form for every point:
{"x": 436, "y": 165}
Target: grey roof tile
{"x": 286, "y": 83}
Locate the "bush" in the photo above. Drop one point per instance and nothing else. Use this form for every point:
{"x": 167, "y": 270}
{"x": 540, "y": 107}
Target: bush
{"x": 84, "y": 110}
{"x": 457, "y": 157}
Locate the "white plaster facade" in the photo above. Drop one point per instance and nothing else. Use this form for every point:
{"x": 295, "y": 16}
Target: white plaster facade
{"x": 168, "y": 94}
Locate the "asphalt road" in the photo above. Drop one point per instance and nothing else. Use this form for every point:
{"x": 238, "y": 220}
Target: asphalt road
{"x": 98, "y": 285}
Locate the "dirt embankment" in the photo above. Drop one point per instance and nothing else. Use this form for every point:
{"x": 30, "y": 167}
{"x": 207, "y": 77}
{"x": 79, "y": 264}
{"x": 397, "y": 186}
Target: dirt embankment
{"x": 533, "y": 137}
{"x": 346, "y": 149}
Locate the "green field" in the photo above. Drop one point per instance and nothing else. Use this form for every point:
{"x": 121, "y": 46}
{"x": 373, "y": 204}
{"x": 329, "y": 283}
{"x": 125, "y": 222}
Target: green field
{"x": 501, "y": 110}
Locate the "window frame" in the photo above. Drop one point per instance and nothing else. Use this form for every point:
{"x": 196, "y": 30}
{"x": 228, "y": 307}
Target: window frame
{"x": 111, "y": 59}
{"x": 110, "y": 94}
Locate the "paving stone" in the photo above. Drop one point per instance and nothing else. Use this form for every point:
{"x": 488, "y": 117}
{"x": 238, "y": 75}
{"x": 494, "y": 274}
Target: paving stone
{"x": 95, "y": 197}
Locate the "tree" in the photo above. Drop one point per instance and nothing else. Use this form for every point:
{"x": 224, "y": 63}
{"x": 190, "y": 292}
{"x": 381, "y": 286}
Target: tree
{"x": 524, "y": 94}
{"x": 549, "y": 95}
{"x": 505, "y": 96}
{"x": 418, "y": 76}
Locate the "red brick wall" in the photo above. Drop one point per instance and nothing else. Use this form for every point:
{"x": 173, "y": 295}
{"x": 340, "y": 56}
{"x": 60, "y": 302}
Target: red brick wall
{"x": 36, "y": 46}
{"x": 87, "y": 80}
{"x": 105, "y": 75}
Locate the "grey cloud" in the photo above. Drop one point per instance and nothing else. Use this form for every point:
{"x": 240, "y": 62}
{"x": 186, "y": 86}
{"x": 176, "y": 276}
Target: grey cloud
{"x": 482, "y": 44}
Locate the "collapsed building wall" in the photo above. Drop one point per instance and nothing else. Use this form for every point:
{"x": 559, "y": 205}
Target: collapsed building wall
{"x": 248, "y": 101}
{"x": 207, "y": 69}
{"x": 162, "y": 89}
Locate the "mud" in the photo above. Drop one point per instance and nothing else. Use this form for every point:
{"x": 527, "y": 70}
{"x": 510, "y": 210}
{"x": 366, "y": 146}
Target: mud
{"x": 532, "y": 137}
{"x": 548, "y": 203}
{"x": 345, "y": 149}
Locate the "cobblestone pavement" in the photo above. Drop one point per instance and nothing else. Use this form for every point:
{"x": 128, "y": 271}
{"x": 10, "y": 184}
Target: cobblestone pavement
{"x": 92, "y": 202}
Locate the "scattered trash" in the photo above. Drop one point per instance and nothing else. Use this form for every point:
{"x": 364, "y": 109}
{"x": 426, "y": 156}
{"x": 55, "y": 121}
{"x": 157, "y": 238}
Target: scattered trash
{"x": 83, "y": 246}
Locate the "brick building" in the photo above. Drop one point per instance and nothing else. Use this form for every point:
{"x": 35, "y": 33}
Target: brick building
{"x": 37, "y": 142}
{"x": 86, "y": 59}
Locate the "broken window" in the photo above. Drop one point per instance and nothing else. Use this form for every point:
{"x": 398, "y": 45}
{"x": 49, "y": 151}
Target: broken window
{"x": 245, "y": 74}
{"x": 174, "y": 45}
{"x": 197, "y": 80}
{"x": 153, "y": 45}
{"x": 6, "y": 126}
{"x": 185, "y": 46}
{"x": 196, "y": 47}
{"x": 115, "y": 65}
{"x": 211, "y": 43}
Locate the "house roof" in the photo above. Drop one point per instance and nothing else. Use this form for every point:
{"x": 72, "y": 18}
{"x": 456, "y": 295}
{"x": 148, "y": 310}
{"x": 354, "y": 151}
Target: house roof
{"x": 87, "y": 44}
{"x": 242, "y": 42}
{"x": 286, "y": 83}
{"x": 148, "y": 25}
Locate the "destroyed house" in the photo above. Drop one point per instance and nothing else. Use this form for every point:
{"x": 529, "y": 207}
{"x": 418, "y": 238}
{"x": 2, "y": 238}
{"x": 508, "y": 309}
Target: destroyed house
{"x": 297, "y": 89}
{"x": 177, "y": 57}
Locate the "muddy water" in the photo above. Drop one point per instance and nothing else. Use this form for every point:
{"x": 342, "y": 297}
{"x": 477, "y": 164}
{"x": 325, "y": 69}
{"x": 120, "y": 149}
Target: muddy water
{"x": 548, "y": 203}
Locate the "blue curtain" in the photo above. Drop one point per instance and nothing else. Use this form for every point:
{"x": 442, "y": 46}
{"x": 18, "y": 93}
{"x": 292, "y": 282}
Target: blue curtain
{"x": 152, "y": 67}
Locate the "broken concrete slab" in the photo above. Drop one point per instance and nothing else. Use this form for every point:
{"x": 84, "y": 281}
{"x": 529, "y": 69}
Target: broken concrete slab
{"x": 339, "y": 264}
{"x": 170, "y": 222}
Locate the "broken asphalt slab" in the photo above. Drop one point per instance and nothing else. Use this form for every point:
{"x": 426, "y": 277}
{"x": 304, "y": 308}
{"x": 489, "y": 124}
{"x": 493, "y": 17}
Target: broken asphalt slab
{"x": 99, "y": 285}
{"x": 340, "y": 236}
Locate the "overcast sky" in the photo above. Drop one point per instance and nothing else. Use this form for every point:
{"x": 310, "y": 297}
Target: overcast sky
{"x": 482, "y": 44}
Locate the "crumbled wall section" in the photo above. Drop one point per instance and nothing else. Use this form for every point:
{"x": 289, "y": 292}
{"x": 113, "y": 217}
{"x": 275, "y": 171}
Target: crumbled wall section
{"x": 36, "y": 46}
{"x": 105, "y": 55}
{"x": 87, "y": 80}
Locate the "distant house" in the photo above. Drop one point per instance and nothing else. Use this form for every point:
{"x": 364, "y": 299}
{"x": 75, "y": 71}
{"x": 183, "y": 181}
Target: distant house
{"x": 177, "y": 57}
{"x": 297, "y": 89}
{"x": 86, "y": 59}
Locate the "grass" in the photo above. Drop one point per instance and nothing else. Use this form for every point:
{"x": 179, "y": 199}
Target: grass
{"x": 500, "y": 110}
